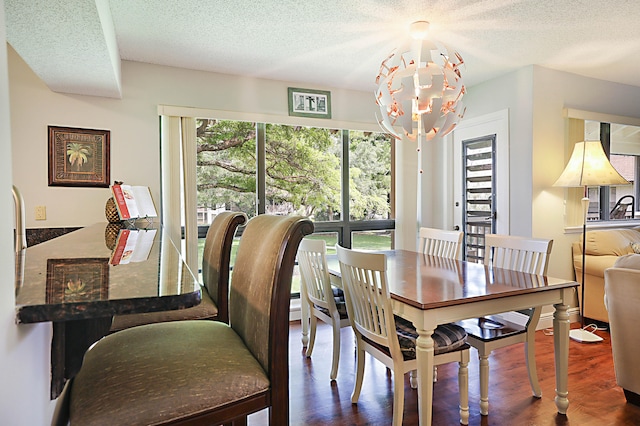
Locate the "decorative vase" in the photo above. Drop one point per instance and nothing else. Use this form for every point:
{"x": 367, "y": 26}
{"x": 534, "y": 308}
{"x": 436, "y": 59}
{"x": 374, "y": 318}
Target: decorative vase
{"x": 111, "y": 212}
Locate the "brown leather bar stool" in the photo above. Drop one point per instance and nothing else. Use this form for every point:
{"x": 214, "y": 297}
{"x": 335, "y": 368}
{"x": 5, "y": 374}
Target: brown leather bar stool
{"x": 202, "y": 372}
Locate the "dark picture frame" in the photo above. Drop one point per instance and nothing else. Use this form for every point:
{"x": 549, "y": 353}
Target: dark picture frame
{"x": 77, "y": 280}
{"x": 79, "y": 157}
{"x": 309, "y": 103}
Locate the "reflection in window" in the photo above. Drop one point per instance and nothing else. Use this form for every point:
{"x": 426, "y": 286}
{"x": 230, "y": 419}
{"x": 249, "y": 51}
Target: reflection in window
{"x": 623, "y": 142}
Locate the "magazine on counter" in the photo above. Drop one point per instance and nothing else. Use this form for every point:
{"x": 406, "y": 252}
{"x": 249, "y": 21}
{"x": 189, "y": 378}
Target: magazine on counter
{"x": 133, "y": 202}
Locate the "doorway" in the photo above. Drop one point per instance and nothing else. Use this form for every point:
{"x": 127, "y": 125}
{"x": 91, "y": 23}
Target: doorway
{"x": 484, "y": 141}
{"x": 479, "y": 195}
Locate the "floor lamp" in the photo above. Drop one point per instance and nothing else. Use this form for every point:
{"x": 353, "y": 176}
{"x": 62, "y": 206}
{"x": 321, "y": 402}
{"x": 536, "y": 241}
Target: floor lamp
{"x": 588, "y": 166}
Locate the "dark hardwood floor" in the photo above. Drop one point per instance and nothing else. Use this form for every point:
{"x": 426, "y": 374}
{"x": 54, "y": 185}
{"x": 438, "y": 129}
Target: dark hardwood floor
{"x": 594, "y": 397}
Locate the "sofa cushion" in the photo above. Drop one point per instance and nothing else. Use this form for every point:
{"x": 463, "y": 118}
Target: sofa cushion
{"x": 611, "y": 242}
{"x": 595, "y": 264}
{"x": 630, "y": 261}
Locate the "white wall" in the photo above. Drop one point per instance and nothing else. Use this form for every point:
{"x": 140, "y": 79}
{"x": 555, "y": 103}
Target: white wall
{"x": 535, "y": 97}
{"x": 133, "y": 122}
{"x": 135, "y": 158}
{"x": 24, "y": 349}
{"x": 554, "y": 91}
{"x": 514, "y": 93}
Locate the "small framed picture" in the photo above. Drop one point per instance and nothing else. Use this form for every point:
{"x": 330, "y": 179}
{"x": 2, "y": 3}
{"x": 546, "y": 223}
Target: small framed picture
{"x": 78, "y": 157}
{"x": 77, "y": 280}
{"x": 309, "y": 103}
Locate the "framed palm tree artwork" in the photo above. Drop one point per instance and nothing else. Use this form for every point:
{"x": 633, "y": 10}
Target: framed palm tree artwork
{"x": 78, "y": 157}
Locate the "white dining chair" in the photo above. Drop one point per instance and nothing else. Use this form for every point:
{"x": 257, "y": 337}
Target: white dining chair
{"x": 325, "y": 302}
{"x": 487, "y": 334}
{"x": 391, "y": 339}
{"x": 442, "y": 243}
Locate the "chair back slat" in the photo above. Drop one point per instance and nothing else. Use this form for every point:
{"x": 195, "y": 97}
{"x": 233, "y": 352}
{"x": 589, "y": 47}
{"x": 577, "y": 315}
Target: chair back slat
{"x": 364, "y": 280}
{"x": 518, "y": 253}
{"x": 438, "y": 242}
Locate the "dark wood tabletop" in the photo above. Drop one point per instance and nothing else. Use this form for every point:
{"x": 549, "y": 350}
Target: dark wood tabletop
{"x": 428, "y": 282}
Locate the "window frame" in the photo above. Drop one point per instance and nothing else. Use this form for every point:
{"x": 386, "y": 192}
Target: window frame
{"x": 343, "y": 227}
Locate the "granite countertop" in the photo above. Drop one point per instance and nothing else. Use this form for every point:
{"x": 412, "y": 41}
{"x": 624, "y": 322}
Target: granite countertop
{"x": 75, "y": 276}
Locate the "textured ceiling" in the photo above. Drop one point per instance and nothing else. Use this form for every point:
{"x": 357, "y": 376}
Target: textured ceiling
{"x": 75, "y": 45}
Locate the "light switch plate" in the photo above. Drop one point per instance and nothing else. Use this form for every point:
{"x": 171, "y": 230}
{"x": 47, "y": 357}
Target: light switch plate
{"x": 41, "y": 213}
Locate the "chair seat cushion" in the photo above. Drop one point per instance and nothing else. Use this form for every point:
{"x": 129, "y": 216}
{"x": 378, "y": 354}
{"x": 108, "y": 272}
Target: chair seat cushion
{"x": 487, "y": 328}
{"x": 446, "y": 338}
{"x": 341, "y": 304}
{"x": 206, "y": 309}
{"x": 165, "y": 378}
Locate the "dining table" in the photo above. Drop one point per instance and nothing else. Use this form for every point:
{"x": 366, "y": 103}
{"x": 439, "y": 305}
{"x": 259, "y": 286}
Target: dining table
{"x": 80, "y": 280}
{"x": 430, "y": 290}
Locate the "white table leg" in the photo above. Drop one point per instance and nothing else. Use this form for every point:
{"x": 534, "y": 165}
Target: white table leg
{"x": 484, "y": 384}
{"x": 561, "y": 348}
{"x": 424, "y": 356}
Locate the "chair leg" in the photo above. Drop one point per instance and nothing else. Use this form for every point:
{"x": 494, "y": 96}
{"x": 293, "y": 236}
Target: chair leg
{"x": 312, "y": 334}
{"x": 336, "y": 348}
{"x": 398, "y": 396}
{"x": 463, "y": 385}
{"x": 413, "y": 377}
{"x": 530, "y": 356}
{"x": 357, "y": 387}
{"x": 484, "y": 383}
{"x": 304, "y": 317}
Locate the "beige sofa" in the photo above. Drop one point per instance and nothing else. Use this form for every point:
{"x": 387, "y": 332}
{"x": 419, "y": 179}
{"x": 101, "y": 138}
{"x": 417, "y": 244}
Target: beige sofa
{"x": 603, "y": 249}
{"x": 622, "y": 287}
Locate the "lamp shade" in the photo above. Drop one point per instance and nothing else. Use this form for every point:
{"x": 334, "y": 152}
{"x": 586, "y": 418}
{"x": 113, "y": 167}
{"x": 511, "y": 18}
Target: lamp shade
{"x": 589, "y": 166}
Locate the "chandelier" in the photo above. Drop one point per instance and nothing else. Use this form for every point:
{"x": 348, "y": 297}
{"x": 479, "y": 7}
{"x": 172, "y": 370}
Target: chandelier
{"x": 420, "y": 88}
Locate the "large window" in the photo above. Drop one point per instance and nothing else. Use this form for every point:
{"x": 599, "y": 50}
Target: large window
{"x": 341, "y": 179}
{"x": 622, "y": 143}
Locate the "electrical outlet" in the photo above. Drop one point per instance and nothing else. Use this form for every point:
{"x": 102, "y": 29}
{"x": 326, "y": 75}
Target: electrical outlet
{"x": 41, "y": 213}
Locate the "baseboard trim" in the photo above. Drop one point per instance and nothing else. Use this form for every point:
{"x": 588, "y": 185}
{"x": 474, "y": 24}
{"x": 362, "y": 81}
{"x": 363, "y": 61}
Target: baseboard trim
{"x": 295, "y": 312}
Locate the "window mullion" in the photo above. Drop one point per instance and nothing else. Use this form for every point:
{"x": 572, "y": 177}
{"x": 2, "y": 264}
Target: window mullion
{"x": 346, "y": 213}
{"x": 605, "y": 140}
{"x": 261, "y": 169}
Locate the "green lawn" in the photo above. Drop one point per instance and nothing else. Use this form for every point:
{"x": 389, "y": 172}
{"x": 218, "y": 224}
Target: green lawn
{"x": 374, "y": 240}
